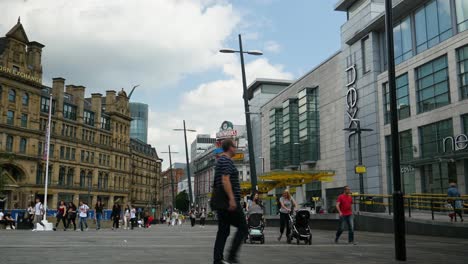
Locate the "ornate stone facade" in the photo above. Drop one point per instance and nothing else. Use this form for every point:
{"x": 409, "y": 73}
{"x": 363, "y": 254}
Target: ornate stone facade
{"x": 91, "y": 154}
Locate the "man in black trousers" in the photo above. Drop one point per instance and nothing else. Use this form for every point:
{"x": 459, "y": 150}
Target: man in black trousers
{"x": 227, "y": 177}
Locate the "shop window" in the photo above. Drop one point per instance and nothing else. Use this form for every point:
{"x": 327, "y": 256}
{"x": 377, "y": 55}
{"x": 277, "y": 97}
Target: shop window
{"x": 432, "y": 85}
{"x": 403, "y": 102}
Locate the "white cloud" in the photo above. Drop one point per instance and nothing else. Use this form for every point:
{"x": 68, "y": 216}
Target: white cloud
{"x": 272, "y": 46}
{"x": 205, "y": 107}
{"x": 109, "y": 44}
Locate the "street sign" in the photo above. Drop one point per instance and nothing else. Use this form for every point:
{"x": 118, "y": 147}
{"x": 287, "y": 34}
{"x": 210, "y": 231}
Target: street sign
{"x": 360, "y": 169}
{"x": 238, "y": 156}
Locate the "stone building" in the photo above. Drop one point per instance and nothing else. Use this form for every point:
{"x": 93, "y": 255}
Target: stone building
{"x": 91, "y": 155}
{"x": 178, "y": 172}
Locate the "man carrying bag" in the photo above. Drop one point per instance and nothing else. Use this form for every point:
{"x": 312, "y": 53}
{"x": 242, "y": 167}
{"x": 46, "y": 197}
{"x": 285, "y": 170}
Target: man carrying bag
{"x": 226, "y": 201}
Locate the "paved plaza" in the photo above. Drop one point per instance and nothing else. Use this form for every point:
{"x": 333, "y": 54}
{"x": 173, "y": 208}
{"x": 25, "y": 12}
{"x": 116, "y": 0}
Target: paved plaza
{"x": 162, "y": 244}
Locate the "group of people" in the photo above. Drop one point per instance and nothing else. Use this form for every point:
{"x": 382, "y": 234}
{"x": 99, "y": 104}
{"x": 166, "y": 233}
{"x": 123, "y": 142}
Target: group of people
{"x": 194, "y": 214}
{"x": 7, "y": 220}
{"x": 68, "y": 212}
{"x": 229, "y": 212}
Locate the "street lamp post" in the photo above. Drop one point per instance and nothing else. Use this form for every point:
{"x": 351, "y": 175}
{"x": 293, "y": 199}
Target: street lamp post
{"x": 253, "y": 172}
{"x": 358, "y": 130}
{"x": 89, "y": 189}
{"x": 263, "y": 163}
{"x": 398, "y": 202}
{"x": 172, "y": 175}
{"x": 299, "y": 155}
{"x": 189, "y": 180}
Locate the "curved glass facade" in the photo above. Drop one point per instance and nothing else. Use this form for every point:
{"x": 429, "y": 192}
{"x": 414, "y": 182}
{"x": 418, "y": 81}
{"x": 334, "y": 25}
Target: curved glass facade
{"x": 139, "y": 124}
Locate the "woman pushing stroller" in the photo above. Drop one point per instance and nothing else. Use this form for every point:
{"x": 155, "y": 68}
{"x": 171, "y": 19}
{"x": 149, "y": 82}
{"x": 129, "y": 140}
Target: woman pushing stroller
{"x": 287, "y": 203}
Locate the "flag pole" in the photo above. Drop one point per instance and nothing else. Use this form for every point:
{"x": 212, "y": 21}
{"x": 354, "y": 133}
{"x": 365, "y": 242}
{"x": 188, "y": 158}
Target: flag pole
{"x": 47, "y": 145}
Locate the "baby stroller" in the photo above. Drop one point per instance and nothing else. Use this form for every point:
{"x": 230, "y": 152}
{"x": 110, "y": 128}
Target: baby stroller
{"x": 256, "y": 226}
{"x": 300, "y": 229}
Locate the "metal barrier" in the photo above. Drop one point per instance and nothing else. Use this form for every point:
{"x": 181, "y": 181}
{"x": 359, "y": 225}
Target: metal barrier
{"x": 421, "y": 202}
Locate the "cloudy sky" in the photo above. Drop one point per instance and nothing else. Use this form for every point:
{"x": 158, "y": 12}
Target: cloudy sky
{"x": 170, "y": 48}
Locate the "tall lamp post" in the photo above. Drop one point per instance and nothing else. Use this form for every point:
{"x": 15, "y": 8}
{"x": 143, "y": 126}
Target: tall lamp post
{"x": 358, "y": 130}
{"x": 398, "y": 202}
{"x": 299, "y": 152}
{"x": 253, "y": 172}
{"x": 172, "y": 175}
{"x": 263, "y": 163}
{"x": 187, "y": 160}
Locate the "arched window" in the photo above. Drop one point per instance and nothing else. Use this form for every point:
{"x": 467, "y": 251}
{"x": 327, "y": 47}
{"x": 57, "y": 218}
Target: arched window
{"x": 11, "y": 95}
{"x": 25, "y": 99}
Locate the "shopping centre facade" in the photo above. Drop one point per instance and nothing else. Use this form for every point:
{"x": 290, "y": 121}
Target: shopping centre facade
{"x": 431, "y": 55}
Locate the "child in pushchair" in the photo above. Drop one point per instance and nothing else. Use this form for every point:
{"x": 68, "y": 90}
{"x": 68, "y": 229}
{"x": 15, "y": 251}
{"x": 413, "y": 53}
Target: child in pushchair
{"x": 300, "y": 229}
{"x": 255, "y": 221}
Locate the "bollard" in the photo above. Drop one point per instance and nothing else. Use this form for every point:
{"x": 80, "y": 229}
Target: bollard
{"x": 409, "y": 207}
{"x": 389, "y": 206}
{"x": 432, "y": 208}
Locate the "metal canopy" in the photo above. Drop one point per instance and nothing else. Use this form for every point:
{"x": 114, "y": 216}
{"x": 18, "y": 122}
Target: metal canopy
{"x": 283, "y": 179}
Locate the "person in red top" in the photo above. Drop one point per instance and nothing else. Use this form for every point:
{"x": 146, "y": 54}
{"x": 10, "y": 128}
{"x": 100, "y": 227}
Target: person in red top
{"x": 344, "y": 206}
{"x": 61, "y": 213}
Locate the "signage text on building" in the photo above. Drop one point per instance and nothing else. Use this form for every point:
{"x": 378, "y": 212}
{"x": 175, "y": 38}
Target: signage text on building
{"x": 352, "y": 96}
{"x": 20, "y": 74}
{"x": 456, "y": 143}
{"x": 226, "y": 131}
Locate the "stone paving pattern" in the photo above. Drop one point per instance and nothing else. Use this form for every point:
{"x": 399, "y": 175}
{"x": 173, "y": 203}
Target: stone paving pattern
{"x": 163, "y": 244}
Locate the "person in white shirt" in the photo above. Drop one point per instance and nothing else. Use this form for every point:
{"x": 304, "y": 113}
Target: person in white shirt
{"x": 126, "y": 216}
{"x": 38, "y": 214}
{"x": 132, "y": 217}
{"x": 83, "y": 215}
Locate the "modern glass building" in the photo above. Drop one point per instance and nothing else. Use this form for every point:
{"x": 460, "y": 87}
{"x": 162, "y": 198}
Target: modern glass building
{"x": 139, "y": 124}
{"x": 260, "y": 92}
{"x": 431, "y": 54}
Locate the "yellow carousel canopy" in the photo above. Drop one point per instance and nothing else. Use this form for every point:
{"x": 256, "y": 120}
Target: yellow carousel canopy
{"x": 281, "y": 179}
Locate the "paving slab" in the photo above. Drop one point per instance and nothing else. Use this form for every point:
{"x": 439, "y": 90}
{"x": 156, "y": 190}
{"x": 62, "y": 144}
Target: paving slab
{"x": 184, "y": 244}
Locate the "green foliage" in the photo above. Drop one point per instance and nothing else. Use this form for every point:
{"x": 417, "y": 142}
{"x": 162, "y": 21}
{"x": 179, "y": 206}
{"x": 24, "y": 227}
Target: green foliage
{"x": 182, "y": 201}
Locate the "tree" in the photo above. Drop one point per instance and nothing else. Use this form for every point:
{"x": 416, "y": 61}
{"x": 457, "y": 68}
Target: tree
{"x": 182, "y": 201}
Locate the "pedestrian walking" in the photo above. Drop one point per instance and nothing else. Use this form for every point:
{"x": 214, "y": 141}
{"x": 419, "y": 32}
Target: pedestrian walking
{"x": 99, "y": 210}
{"x": 71, "y": 215}
{"x": 203, "y": 217}
{"x": 456, "y": 202}
{"x": 174, "y": 218}
{"x": 146, "y": 218}
{"x": 226, "y": 181}
{"x": 193, "y": 217}
{"x": 287, "y": 203}
{"x": 344, "y": 206}
{"x": 132, "y": 217}
{"x": 126, "y": 217}
{"x": 30, "y": 214}
{"x": 38, "y": 214}
{"x": 115, "y": 216}
{"x": 61, "y": 216}
{"x": 84, "y": 208}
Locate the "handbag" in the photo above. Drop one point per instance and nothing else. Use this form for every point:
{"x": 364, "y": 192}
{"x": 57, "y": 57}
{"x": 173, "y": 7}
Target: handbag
{"x": 219, "y": 199}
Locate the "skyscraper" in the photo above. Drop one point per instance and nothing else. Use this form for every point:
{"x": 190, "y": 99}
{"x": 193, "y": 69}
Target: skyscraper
{"x": 139, "y": 124}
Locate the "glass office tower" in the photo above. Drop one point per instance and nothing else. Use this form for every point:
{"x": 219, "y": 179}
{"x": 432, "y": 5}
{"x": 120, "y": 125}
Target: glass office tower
{"x": 139, "y": 124}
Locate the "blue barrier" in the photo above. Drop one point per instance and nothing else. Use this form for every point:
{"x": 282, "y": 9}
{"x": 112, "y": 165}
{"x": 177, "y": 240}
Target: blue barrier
{"x": 52, "y": 213}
